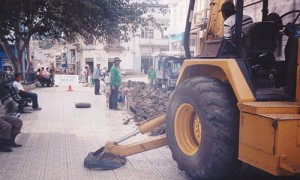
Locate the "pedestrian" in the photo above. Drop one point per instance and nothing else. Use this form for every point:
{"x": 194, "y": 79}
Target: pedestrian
{"x": 10, "y": 127}
{"x": 151, "y": 75}
{"x": 115, "y": 83}
{"x": 83, "y": 74}
{"x": 108, "y": 88}
{"x": 52, "y": 73}
{"x": 87, "y": 73}
{"x": 26, "y": 93}
{"x": 104, "y": 72}
{"x": 90, "y": 80}
{"x": 97, "y": 77}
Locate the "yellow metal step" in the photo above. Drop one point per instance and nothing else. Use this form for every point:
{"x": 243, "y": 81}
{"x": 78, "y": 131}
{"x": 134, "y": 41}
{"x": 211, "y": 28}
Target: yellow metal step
{"x": 282, "y": 116}
{"x": 293, "y": 168}
{"x": 270, "y": 107}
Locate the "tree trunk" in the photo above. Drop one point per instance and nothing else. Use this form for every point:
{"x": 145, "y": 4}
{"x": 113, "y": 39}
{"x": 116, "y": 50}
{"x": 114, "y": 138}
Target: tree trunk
{"x": 17, "y": 57}
{"x": 28, "y": 59}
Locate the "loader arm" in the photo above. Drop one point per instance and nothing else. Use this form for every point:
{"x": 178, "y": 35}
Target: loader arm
{"x": 112, "y": 155}
{"x": 140, "y": 146}
{"x": 137, "y": 147}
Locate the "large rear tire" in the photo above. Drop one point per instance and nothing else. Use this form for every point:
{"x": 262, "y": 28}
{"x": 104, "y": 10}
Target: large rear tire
{"x": 202, "y": 128}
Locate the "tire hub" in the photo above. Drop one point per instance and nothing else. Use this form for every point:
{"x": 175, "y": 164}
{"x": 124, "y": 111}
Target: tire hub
{"x": 187, "y": 129}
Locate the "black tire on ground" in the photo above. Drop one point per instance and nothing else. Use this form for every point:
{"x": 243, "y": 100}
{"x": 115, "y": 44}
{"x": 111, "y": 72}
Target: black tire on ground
{"x": 82, "y": 105}
{"x": 204, "y": 136}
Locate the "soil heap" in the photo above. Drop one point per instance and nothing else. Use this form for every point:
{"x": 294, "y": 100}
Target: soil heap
{"x": 146, "y": 102}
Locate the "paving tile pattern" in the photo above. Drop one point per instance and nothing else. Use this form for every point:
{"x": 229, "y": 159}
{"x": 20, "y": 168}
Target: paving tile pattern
{"x": 56, "y": 140}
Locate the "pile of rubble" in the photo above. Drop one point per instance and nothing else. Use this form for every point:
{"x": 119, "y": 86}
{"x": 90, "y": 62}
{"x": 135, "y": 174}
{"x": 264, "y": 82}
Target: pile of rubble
{"x": 146, "y": 102}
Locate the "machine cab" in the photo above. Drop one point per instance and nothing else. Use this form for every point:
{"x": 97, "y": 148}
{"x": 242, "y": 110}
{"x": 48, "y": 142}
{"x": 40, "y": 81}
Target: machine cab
{"x": 267, "y": 55}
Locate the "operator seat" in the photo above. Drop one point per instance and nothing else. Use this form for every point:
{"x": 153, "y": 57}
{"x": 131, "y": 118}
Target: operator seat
{"x": 262, "y": 37}
{"x": 261, "y": 45}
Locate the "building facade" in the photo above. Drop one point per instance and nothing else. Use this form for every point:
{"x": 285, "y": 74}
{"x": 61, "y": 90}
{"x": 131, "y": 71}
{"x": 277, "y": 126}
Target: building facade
{"x": 136, "y": 55}
{"x": 178, "y": 15}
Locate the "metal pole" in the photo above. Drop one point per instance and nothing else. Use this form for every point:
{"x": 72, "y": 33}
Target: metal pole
{"x": 188, "y": 29}
{"x": 127, "y": 136}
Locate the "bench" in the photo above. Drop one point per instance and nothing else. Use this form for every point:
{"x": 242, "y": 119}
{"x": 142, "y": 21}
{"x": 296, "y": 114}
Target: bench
{"x": 16, "y": 97}
{"x": 14, "y": 114}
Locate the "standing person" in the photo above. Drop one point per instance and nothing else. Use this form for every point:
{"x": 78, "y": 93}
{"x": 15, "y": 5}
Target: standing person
{"x": 104, "y": 72}
{"x": 83, "y": 74}
{"x": 10, "y": 127}
{"x": 115, "y": 82}
{"x": 87, "y": 74}
{"x": 103, "y": 86}
{"x": 52, "y": 71}
{"x": 25, "y": 93}
{"x": 107, "y": 87}
{"x": 97, "y": 77}
{"x": 151, "y": 75}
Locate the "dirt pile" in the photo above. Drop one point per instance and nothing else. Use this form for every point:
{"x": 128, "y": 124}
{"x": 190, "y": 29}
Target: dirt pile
{"x": 146, "y": 102}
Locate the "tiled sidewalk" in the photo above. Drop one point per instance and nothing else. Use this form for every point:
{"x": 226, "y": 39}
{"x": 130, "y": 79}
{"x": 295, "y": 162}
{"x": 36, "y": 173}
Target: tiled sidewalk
{"x": 56, "y": 140}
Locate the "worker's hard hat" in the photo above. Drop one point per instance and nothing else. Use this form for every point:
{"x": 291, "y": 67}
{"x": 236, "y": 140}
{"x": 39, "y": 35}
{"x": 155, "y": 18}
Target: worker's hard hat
{"x": 117, "y": 59}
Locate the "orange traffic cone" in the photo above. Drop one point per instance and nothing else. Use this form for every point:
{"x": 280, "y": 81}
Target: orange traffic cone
{"x": 70, "y": 88}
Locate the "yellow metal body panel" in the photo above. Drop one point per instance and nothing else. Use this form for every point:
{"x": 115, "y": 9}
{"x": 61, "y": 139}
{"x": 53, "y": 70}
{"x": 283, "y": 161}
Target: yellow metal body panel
{"x": 264, "y": 129}
{"x": 298, "y": 134}
{"x": 269, "y": 136}
{"x": 216, "y": 20}
{"x": 223, "y": 69}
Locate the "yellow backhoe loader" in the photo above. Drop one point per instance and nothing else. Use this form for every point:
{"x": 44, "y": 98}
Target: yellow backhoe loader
{"x": 229, "y": 107}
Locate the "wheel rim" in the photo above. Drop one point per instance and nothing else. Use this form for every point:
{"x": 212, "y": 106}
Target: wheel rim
{"x": 187, "y": 129}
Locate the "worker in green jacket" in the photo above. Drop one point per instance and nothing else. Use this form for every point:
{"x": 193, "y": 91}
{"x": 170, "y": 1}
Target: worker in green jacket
{"x": 115, "y": 82}
{"x": 151, "y": 75}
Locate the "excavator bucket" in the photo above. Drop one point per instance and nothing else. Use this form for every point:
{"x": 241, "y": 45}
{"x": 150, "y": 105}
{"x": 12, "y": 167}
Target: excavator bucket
{"x": 103, "y": 160}
{"x": 113, "y": 155}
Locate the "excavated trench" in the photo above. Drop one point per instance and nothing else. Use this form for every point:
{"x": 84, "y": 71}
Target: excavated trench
{"x": 145, "y": 102}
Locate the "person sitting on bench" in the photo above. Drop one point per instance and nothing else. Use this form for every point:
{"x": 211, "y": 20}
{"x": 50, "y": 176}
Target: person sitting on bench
{"x": 10, "y": 127}
{"x": 43, "y": 78}
{"x": 24, "y": 93}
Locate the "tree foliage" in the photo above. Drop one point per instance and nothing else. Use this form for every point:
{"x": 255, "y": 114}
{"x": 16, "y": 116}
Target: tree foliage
{"x": 92, "y": 20}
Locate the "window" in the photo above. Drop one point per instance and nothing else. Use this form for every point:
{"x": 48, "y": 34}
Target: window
{"x": 177, "y": 64}
{"x": 147, "y": 33}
